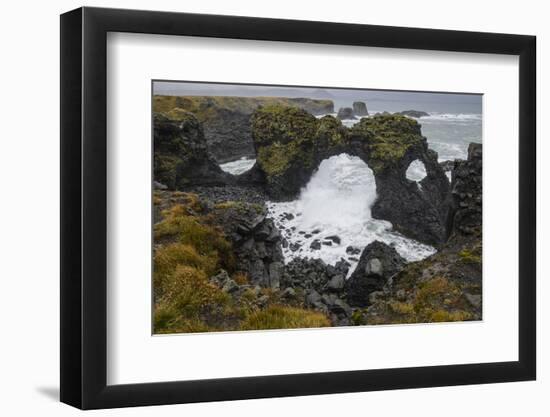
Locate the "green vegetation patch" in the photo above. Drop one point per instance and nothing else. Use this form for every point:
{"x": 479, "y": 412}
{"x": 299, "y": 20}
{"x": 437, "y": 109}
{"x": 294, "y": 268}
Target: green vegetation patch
{"x": 205, "y": 107}
{"x": 282, "y": 124}
{"x": 387, "y": 138}
{"x": 282, "y": 317}
{"x": 471, "y": 255}
{"x": 331, "y": 128}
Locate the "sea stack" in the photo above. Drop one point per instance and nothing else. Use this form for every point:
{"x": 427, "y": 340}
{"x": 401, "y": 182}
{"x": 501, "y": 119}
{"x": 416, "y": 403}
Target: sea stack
{"x": 346, "y": 113}
{"x": 360, "y": 108}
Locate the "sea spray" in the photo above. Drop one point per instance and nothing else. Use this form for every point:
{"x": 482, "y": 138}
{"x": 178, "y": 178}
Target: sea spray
{"x": 332, "y": 220}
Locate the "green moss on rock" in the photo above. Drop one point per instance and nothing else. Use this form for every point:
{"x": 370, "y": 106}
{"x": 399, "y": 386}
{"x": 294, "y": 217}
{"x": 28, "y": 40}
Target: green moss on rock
{"x": 387, "y": 138}
{"x": 207, "y": 106}
{"x": 282, "y": 124}
{"x": 331, "y": 128}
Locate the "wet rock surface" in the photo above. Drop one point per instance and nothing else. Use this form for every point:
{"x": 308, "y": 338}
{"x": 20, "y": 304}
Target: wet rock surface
{"x": 256, "y": 242}
{"x": 180, "y": 153}
{"x": 360, "y": 108}
{"x": 413, "y": 113}
{"x": 377, "y": 265}
{"x": 466, "y": 193}
{"x": 345, "y": 113}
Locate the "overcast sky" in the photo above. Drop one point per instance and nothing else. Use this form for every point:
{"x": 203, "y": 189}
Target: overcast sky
{"x": 421, "y": 100}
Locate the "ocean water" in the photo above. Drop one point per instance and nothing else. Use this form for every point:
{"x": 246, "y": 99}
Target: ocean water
{"x": 338, "y": 198}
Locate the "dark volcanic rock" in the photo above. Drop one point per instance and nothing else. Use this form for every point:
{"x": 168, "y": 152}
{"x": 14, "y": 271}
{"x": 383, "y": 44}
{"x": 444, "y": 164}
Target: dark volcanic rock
{"x": 334, "y": 238}
{"x": 226, "y": 120}
{"x": 352, "y": 250}
{"x": 315, "y": 245}
{"x": 413, "y": 113}
{"x": 220, "y": 194}
{"x": 307, "y": 274}
{"x": 181, "y": 157}
{"x": 256, "y": 242}
{"x": 291, "y": 144}
{"x": 418, "y": 212}
{"x": 360, "y": 108}
{"x": 447, "y": 166}
{"x": 346, "y": 113}
{"x": 228, "y": 135}
{"x": 466, "y": 193}
{"x": 378, "y": 263}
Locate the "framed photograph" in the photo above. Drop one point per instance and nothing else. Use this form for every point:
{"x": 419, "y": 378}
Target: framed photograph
{"x": 257, "y": 208}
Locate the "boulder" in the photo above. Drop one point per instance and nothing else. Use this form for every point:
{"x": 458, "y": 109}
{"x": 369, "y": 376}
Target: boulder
{"x": 413, "y": 113}
{"x": 315, "y": 245}
{"x": 307, "y": 274}
{"x": 378, "y": 263}
{"x": 159, "y": 186}
{"x": 334, "y": 238}
{"x": 336, "y": 283}
{"x": 345, "y": 113}
{"x": 230, "y": 286}
{"x": 360, "y": 108}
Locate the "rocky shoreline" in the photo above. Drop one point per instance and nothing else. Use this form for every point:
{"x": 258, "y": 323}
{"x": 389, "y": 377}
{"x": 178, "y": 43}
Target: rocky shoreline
{"x": 218, "y": 257}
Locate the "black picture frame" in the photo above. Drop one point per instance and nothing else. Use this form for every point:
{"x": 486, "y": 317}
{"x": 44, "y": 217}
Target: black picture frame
{"x": 84, "y": 207}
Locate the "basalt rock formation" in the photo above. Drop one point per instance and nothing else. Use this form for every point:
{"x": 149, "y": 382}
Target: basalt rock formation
{"x": 346, "y": 113}
{"x": 255, "y": 240}
{"x": 446, "y": 286}
{"x": 413, "y": 113}
{"x": 360, "y": 108}
{"x": 226, "y": 120}
{"x": 180, "y": 153}
{"x": 290, "y": 144}
{"x": 378, "y": 264}
{"x": 466, "y": 194}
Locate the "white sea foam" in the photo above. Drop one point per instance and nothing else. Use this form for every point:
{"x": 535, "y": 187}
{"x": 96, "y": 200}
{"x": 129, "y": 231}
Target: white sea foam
{"x": 416, "y": 171}
{"x": 453, "y": 117}
{"x": 336, "y": 202}
{"x": 239, "y": 166}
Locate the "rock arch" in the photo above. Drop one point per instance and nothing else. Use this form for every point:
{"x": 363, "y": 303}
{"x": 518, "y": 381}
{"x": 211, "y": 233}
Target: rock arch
{"x": 291, "y": 143}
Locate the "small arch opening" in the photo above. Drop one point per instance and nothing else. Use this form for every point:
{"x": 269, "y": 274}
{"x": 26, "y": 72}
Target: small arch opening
{"x": 238, "y": 166}
{"x": 416, "y": 171}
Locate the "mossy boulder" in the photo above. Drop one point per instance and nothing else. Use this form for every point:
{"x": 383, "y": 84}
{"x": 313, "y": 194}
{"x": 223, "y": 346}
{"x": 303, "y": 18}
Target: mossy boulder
{"x": 378, "y": 263}
{"x": 181, "y": 157}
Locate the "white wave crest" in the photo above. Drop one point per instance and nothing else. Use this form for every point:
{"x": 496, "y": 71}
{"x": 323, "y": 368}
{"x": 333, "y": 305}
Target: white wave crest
{"x": 239, "y": 166}
{"x": 336, "y": 203}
